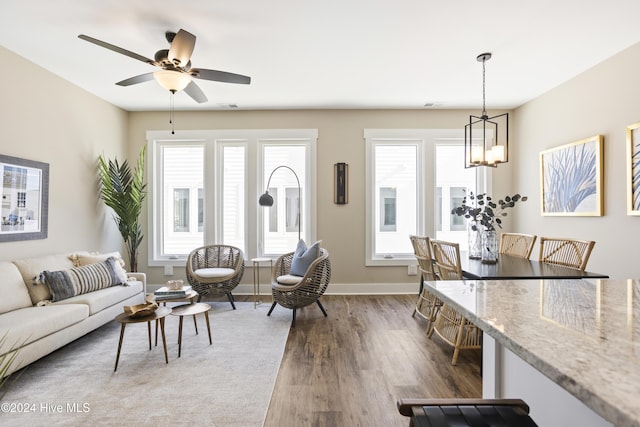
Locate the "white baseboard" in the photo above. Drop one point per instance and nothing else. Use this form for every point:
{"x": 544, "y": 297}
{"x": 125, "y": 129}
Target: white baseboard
{"x": 334, "y": 289}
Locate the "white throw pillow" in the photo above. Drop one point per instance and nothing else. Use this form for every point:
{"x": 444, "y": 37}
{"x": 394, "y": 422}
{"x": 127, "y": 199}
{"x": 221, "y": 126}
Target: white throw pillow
{"x": 82, "y": 260}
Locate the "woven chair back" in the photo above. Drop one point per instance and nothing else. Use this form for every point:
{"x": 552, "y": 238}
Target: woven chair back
{"x": 446, "y": 257}
{"x": 568, "y": 252}
{"x": 517, "y": 244}
{"x": 422, "y": 251}
{"x": 311, "y": 286}
{"x": 215, "y": 256}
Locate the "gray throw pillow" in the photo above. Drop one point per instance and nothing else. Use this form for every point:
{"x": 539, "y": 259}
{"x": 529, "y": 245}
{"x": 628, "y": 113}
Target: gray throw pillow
{"x": 81, "y": 280}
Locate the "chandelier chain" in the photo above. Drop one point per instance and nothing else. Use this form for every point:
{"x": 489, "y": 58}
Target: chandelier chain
{"x": 484, "y": 108}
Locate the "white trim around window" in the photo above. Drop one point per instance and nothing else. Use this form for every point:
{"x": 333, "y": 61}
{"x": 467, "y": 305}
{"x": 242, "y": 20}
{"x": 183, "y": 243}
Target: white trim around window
{"x": 206, "y": 197}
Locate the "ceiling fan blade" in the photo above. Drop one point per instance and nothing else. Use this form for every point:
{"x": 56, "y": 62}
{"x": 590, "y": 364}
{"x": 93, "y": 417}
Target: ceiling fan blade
{"x": 182, "y": 47}
{"x": 219, "y": 76}
{"x": 117, "y": 49}
{"x": 194, "y": 91}
{"x": 135, "y": 80}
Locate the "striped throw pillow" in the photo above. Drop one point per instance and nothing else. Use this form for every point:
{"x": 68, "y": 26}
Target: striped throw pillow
{"x": 81, "y": 280}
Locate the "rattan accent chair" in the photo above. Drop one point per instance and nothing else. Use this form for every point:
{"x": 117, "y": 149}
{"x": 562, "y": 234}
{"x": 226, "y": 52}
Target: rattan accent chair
{"x": 451, "y": 326}
{"x": 568, "y": 252}
{"x": 517, "y": 244}
{"x": 305, "y": 290}
{"x": 215, "y": 269}
{"x": 428, "y": 304}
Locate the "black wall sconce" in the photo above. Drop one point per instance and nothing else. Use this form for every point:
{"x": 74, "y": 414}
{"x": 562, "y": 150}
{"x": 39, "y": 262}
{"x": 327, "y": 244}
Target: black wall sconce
{"x": 341, "y": 190}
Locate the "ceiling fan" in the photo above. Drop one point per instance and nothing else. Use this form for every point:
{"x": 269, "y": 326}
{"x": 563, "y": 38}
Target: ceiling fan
{"x": 175, "y": 72}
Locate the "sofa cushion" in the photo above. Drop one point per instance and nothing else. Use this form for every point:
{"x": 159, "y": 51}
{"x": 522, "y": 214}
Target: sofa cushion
{"x": 27, "y": 325}
{"x": 81, "y": 259}
{"x": 81, "y": 280}
{"x": 12, "y": 288}
{"x": 104, "y": 298}
{"x": 30, "y": 269}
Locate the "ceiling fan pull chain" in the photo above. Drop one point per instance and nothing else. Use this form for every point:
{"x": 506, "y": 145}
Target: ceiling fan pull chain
{"x": 171, "y": 108}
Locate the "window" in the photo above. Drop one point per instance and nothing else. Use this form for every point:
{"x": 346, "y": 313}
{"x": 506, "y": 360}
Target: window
{"x": 413, "y": 179}
{"x": 453, "y": 182}
{"x": 180, "y": 210}
{"x": 206, "y": 186}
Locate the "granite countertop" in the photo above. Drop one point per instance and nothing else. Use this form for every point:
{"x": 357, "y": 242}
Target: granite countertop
{"x": 583, "y": 334}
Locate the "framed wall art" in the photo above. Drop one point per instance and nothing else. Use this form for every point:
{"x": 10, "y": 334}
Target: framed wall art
{"x": 633, "y": 169}
{"x": 25, "y": 199}
{"x": 571, "y": 179}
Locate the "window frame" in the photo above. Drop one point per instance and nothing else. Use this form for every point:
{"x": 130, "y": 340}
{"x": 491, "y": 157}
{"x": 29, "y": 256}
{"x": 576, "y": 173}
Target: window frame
{"x": 425, "y": 141}
{"x": 213, "y": 141}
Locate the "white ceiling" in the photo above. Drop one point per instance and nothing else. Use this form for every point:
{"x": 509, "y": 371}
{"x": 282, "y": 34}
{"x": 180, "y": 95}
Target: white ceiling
{"x": 327, "y": 53}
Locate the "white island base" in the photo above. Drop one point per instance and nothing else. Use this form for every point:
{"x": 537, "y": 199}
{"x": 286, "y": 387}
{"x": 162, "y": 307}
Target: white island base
{"x": 505, "y": 375}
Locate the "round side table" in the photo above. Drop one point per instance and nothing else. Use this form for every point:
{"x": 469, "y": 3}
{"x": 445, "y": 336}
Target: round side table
{"x": 256, "y": 277}
{"x": 159, "y": 314}
{"x": 191, "y": 310}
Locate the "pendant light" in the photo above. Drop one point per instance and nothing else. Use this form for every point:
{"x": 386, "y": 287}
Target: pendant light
{"x": 486, "y": 139}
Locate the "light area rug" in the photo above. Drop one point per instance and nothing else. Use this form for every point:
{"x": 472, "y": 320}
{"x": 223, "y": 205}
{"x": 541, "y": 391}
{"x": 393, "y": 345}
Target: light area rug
{"x": 228, "y": 383}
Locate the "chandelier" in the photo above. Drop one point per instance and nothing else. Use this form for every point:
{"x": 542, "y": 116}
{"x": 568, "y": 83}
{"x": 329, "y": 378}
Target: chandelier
{"x": 486, "y": 139}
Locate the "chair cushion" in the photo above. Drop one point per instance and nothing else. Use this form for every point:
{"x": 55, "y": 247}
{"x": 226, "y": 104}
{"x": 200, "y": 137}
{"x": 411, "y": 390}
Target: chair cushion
{"x": 212, "y": 273}
{"x": 288, "y": 279}
{"x": 303, "y": 257}
{"x": 81, "y": 280}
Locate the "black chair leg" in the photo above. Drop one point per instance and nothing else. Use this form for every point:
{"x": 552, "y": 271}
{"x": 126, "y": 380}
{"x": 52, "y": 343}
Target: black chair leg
{"x": 293, "y": 322}
{"x": 230, "y": 298}
{"x": 321, "y": 308}
{"x": 271, "y": 309}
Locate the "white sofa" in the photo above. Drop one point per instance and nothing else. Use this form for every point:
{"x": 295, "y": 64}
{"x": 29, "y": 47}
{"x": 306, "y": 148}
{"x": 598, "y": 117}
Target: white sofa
{"x": 33, "y": 325}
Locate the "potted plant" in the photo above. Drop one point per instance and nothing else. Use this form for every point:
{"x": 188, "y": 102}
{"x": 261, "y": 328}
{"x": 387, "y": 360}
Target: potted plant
{"x": 484, "y": 216}
{"x": 124, "y": 190}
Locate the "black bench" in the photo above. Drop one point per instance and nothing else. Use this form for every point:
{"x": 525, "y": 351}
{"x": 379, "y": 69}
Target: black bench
{"x": 466, "y": 412}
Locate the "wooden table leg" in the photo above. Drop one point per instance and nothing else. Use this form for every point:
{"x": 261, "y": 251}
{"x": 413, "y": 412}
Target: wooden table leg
{"x": 195, "y": 323}
{"x": 206, "y": 316}
{"x": 149, "y": 333}
{"x": 156, "y": 332}
{"x": 164, "y": 340}
{"x": 119, "y": 346}
{"x": 180, "y": 336}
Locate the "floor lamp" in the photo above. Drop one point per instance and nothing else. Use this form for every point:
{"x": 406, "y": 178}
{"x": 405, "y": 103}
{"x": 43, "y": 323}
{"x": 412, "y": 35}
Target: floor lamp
{"x": 267, "y": 200}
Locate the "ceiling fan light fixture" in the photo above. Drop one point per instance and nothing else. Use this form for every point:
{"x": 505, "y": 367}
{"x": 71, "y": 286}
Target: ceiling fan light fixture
{"x": 173, "y": 81}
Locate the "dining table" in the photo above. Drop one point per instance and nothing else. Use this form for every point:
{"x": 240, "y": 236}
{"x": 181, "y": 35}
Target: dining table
{"x": 514, "y": 268}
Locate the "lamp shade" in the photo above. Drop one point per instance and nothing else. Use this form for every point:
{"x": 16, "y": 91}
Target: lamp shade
{"x": 265, "y": 199}
{"x": 173, "y": 81}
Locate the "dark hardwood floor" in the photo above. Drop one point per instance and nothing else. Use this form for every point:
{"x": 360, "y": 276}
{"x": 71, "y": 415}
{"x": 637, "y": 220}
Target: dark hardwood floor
{"x": 350, "y": 368}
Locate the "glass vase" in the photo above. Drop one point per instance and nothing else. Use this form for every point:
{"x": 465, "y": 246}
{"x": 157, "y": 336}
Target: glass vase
{"x": 475, "y": 242}
{"x": 489, "y": 247}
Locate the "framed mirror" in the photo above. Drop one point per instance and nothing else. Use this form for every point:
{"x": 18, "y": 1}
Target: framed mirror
{"x": 25, "y": 199}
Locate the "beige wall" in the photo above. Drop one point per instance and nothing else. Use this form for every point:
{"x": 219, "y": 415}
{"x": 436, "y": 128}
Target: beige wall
{"x": 340, "y": 139}
{"x": 47, "y": 119}
{"x": 603, "y": 100}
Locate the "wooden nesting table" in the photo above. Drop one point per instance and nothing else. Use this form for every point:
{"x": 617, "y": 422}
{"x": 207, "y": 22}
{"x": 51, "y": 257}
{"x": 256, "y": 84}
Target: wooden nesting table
{"x": 191, "y": 310}
{"x": 158, "y": 315}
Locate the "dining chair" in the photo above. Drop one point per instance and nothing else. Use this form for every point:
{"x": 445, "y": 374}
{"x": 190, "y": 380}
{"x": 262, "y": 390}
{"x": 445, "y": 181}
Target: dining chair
{"x": 568, "y": 252}
{"x": 428, "y": 304}
{"x": 517, "y": 244}
{"x": 455, "y": 329}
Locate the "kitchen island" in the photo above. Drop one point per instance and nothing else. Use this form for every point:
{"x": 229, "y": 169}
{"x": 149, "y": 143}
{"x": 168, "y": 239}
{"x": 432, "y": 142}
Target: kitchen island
{"x": 570, "y": 348}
